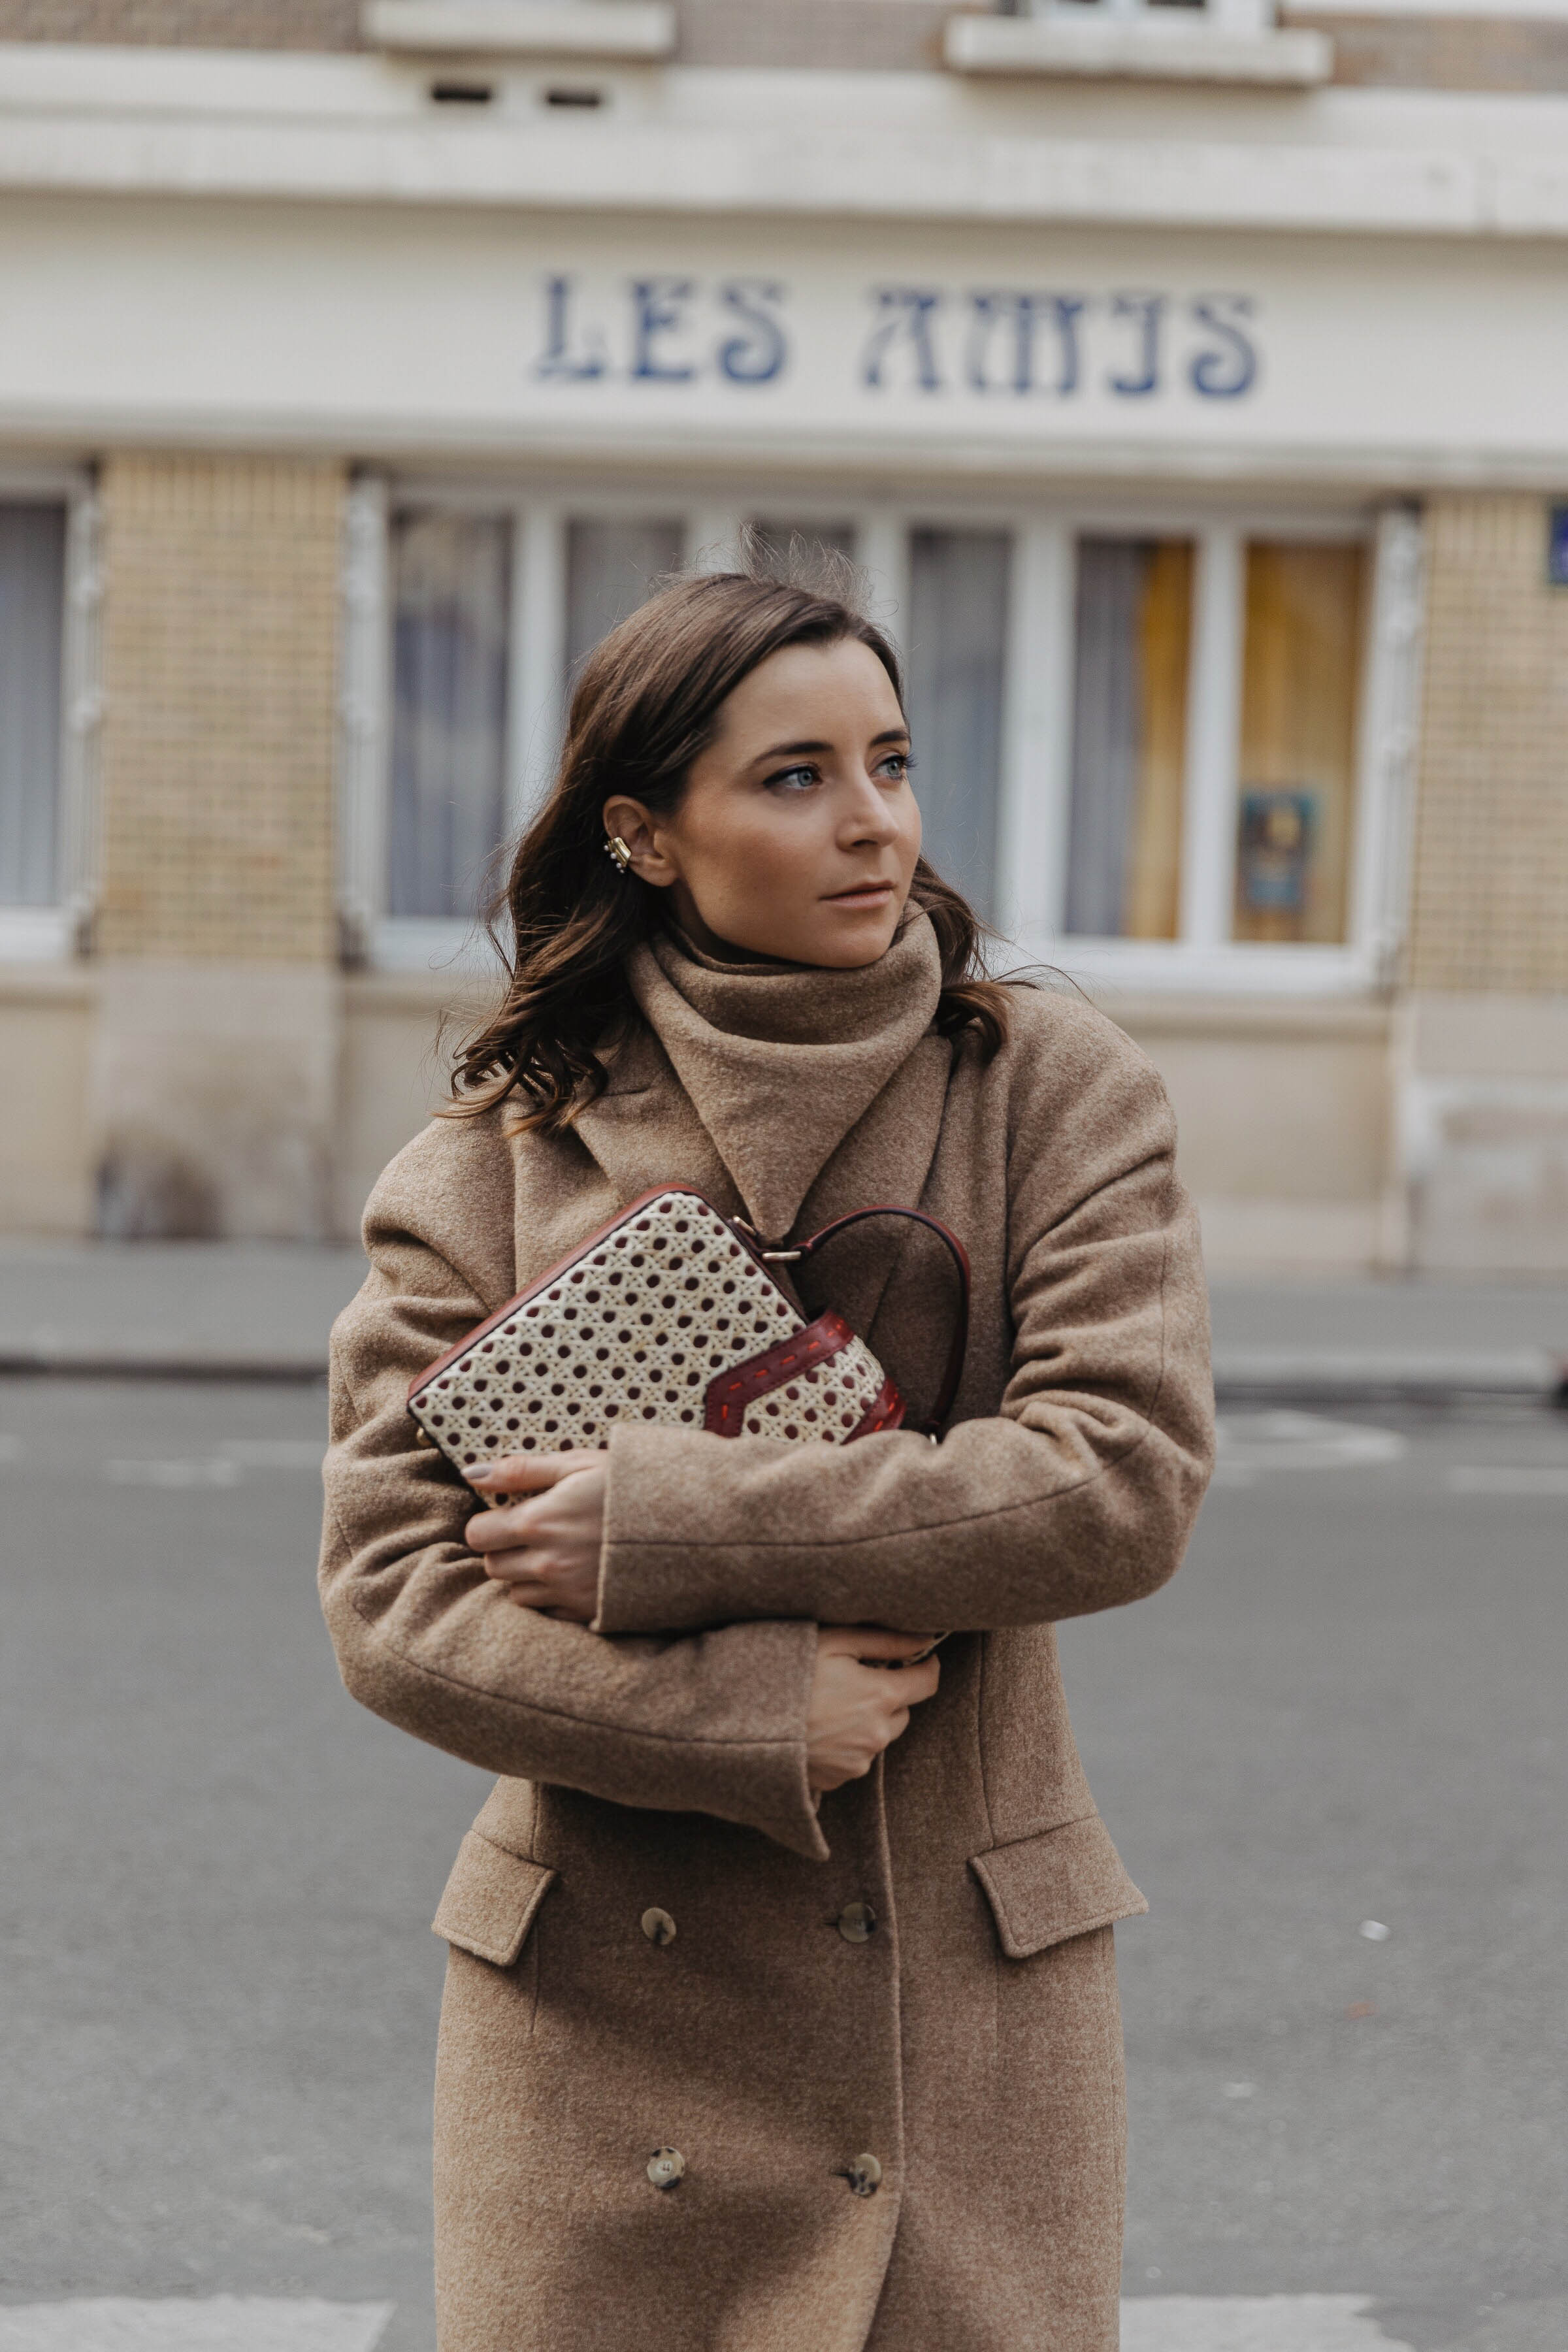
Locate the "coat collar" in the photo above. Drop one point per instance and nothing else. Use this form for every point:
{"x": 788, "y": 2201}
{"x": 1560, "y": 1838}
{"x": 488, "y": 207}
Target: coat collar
{"x": 777, "y": 1064}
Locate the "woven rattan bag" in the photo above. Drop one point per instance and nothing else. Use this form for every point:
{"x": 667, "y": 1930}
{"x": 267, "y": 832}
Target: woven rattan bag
{"x": 670, "y": 1313}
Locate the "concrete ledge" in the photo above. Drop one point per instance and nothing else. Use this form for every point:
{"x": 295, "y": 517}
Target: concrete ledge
{"x": 48, "y": 984}
{"x": 1261, "y": 1234}
{"x": 1147, "y": 1013}
{"x": 1137, "y": 51}
{"x": 527, "y": 28}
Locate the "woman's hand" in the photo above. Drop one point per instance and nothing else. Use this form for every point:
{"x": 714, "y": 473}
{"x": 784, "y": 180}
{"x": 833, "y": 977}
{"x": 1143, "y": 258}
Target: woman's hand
{"x": 545, "y": 1552}
{"x": 857, "y": 1710}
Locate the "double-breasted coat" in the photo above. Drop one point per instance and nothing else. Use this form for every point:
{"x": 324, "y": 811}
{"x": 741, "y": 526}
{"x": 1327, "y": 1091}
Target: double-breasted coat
{"x": 919, "y": 1969}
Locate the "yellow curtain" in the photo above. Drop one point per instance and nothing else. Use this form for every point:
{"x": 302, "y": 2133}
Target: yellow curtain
{"x": 1152, "y": 906}
{"x": 1296, "y": 808}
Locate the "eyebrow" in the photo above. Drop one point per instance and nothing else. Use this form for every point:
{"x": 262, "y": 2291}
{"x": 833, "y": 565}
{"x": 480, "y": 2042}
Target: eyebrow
{"x": 798, "y": 750}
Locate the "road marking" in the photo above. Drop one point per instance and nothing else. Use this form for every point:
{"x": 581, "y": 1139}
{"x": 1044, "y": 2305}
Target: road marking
{"x": 224, "y": 1468}
{"x": 1252, "y": 2323}
{"x": 275, "y": 1453}
{"x": 219, "y": 2323}
{"x": 1508, "y": 1478}
{"x": 1251, "y": 1442}
{"x": 173, "y": 1473}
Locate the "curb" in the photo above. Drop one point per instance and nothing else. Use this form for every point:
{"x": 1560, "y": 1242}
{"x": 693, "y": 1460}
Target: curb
{"x": 1241, "y": 1375}
{"x": 1522, "y": 1376}
{"x": 26, "y": 1361}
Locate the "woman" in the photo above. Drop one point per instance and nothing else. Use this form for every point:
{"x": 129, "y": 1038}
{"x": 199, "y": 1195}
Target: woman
{"x": 781, "y": 2006}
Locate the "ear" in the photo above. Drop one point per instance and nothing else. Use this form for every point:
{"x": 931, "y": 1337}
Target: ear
{"x": 649, "y": 845}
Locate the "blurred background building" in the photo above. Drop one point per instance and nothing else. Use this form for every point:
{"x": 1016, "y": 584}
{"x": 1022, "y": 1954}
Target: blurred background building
{"x": 1189, "y": 380}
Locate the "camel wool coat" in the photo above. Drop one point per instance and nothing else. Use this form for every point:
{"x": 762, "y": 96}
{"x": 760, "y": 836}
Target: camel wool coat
{"x": 883, "y": 2037}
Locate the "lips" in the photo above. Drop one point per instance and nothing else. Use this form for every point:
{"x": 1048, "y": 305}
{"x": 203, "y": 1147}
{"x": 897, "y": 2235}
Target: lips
{"x": 867, "y": 890}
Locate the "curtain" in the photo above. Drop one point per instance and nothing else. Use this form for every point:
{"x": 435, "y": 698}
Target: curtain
{"x": 612, "y": 568}
{"x": 1133, "y": 633}
{"x": 1305, "y": 607}
{"x": 32, "y": 612}
{"x": 452, "y": 597}
{"x": 781, "y": 535}
{"x": 957, "y": 651}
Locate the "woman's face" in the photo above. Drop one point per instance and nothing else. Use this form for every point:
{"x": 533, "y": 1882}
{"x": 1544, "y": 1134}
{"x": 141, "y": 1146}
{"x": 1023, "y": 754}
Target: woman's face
{"x": 797, "y": 833}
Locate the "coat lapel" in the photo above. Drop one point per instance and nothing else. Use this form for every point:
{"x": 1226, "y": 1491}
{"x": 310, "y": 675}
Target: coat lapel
{"x": 642, "y": 1130}
{"x": 885, "y": 1158}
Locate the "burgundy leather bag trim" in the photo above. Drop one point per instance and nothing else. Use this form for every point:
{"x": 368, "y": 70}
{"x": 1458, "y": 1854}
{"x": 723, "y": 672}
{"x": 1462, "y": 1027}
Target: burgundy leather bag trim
{"x": 887, "y": 1412}
{"x": 729, "y": 1392}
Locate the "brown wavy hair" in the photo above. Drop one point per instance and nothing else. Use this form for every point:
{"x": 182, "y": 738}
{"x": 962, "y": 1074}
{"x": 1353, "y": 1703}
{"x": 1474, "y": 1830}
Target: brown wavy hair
{"x": 645, "y": 705}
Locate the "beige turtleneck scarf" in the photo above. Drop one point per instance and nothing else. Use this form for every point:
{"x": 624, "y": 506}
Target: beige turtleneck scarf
{"x": 786, "y": 1094}
{"x": 781, "y": 1062}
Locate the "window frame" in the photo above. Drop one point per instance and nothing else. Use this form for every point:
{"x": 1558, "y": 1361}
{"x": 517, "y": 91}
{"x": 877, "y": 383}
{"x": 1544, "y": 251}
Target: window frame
{"x": 1037, "y": 769}
{"x": 1036, "y": 715}
{"x": 1219, "y": 16}
{"x": 63, "y": 929}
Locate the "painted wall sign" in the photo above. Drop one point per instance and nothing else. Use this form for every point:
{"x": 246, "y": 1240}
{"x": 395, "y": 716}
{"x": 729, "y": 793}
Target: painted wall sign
{"x": 404, "y": 330}
{"x": 1008, "y": 341}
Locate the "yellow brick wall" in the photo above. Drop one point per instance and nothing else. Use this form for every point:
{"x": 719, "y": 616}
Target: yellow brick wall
{"x": 1491, "y": 900}
{"x": 220, "y": 676}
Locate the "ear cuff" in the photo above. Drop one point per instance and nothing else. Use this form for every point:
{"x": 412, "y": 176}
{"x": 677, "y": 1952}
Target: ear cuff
{"x": 616, "y": 851}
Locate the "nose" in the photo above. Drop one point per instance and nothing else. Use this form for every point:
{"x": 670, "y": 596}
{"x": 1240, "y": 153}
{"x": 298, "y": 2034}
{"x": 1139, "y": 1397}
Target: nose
{"x": 868, "y": 818}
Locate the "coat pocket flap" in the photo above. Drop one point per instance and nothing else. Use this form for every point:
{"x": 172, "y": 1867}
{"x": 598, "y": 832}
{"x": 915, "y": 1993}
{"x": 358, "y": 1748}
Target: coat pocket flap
{"x": 1064, "y": 1882}
{"x": 490, "y": 1900}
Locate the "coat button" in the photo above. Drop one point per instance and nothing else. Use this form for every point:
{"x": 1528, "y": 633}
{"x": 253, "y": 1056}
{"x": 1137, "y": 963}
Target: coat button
{"x": 665, "y": 2166}
{"x": 856, "y": 1923}
{"x": 658, "y": 1926}
{"x": 864, "y": 2176}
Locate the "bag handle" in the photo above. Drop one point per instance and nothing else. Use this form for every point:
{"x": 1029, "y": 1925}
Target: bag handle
{"x": 952, "y": 1371}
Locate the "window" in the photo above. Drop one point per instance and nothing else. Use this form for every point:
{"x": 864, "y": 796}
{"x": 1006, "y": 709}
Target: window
{"x": 1226, "y": 15}
{"x": 1300, "y": 684}
{"x": 451, "y": 593}
{"x": 1121, "y": 9}
{"x": 957, "y": 641}
{"x": 837, "y": 538}
{"x": 1133, "y": 638}
{"x": 1215, "y": 774}
{"x": 1166, "y": 751}
{"x": 611, "y": 568}
{"x": 32, "y": 608}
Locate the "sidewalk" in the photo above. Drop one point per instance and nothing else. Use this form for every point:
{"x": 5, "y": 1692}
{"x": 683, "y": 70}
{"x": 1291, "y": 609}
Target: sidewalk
{"x": 251, "y": 1311}
{"x": 1411, "y": 1340}
{"x": 262, "y": 1310}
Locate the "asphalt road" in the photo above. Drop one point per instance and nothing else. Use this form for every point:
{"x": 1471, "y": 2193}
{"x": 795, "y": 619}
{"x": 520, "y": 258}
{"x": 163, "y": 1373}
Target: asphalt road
{"x": 217, "y": 1989}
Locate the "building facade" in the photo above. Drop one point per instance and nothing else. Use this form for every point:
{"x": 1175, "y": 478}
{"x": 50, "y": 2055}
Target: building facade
{"x": 1186, "y": 379}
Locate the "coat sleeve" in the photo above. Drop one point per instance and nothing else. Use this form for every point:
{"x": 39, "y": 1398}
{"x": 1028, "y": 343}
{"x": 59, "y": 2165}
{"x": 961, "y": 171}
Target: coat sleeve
{"x": 1078, "y": 1495}
{"x": 709, "y": 1722}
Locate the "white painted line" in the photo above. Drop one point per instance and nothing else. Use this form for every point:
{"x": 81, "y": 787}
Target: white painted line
{"x": 275, "y": 1453}
{"x": 219, "y": 2323}
{"x": 1303, "y": 1441}
{"x": 1252, "y": 2323}
{"x": 1506, "y": 1479}
{"x": 173, "y": 1474}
